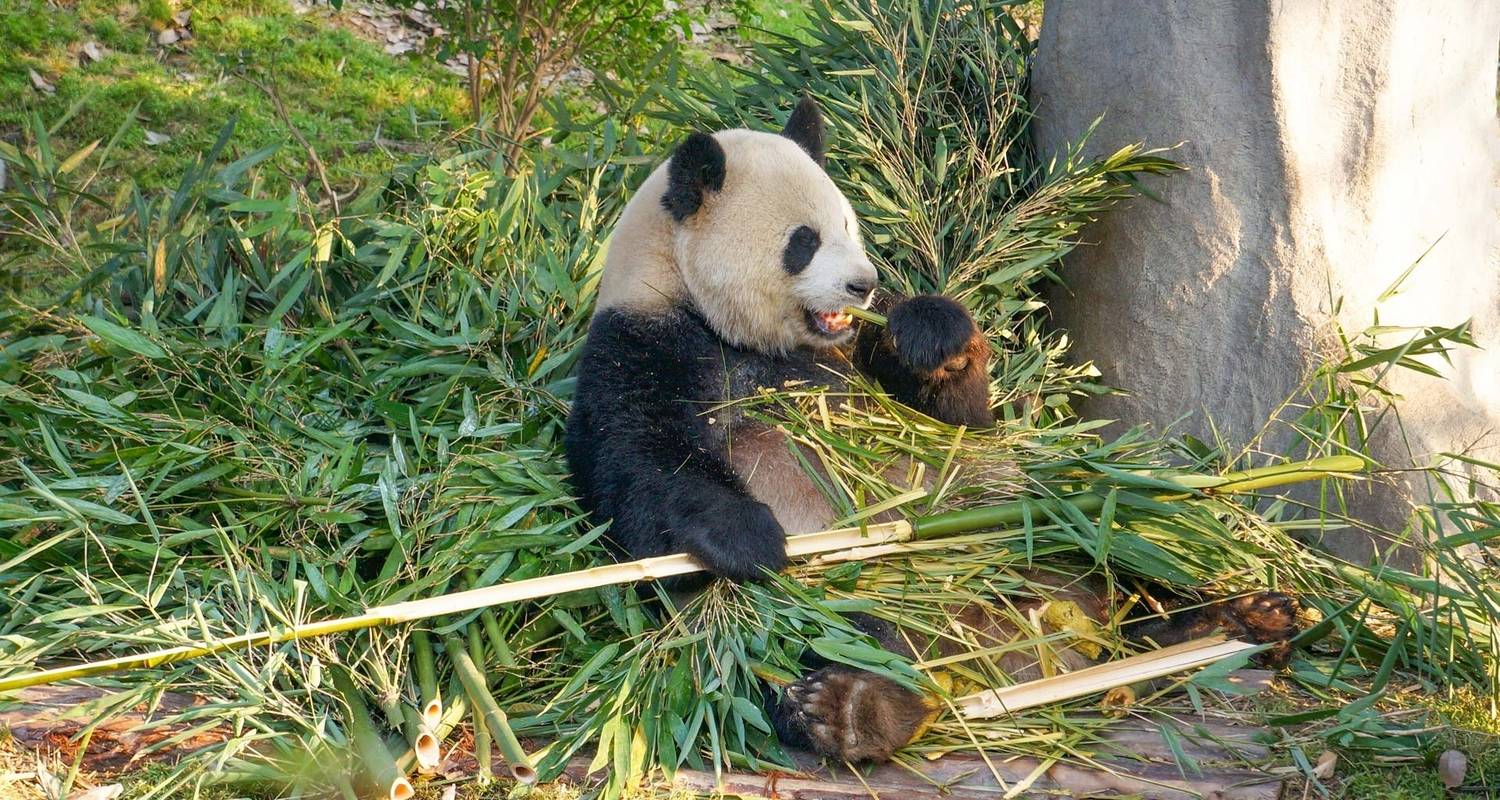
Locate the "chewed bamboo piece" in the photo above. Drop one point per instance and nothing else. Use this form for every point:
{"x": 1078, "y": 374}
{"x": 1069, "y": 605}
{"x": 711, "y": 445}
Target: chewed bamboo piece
{"x": 1100, "y": 678}
{"x": 866, "y": 314}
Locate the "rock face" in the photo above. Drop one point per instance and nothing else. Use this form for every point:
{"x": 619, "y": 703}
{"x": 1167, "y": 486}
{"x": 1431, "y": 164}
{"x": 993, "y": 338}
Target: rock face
{"x": 1328, "y": 146}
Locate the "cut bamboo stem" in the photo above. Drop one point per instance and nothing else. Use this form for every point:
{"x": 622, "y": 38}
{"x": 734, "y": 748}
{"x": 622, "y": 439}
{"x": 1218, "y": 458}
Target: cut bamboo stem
{"x": 486, "y": 707}
{"x": 483, "y": 757}
{"x": 372, "y": 751}
{"x": 649, "y": 569}
{"x": 432, "y": 714}
{"x": 426, "y": 675}
{"x": 1099, "y": 678}
{"x": 427, "y": 750}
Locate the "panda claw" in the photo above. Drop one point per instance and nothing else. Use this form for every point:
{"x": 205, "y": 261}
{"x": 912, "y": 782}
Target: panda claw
{"x": 849, "y": 714}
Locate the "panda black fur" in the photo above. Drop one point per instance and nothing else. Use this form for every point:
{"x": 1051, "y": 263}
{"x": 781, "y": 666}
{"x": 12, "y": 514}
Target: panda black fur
{"x": 727, "y": 273}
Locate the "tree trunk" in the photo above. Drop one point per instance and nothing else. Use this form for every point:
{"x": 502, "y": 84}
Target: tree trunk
{"x": 1328, "y": 146}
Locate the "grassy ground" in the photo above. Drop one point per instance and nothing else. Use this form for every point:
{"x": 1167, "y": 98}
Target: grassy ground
{"x": 338, "y": 90}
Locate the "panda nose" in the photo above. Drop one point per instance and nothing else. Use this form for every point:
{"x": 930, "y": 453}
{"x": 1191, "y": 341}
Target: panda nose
{"x": 861, "y": 288}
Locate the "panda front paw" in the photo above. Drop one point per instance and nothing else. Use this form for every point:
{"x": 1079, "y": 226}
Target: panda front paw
{"x": 946, "y": 357}
{"x": 733, "y": 537}
{"x": 849, "y": 714}
{"x": 932, "y": 335}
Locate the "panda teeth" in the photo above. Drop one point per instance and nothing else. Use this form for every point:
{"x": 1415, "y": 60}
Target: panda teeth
{"x": 834, "y": 321}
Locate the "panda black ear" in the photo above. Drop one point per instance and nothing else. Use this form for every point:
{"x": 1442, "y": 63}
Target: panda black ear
{"x": 697, "y": 166}
{"x": 805, "y": 127}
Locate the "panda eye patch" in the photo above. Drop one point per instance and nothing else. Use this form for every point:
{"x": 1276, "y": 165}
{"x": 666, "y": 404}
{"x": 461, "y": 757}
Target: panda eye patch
{"x": 800, "y": 249}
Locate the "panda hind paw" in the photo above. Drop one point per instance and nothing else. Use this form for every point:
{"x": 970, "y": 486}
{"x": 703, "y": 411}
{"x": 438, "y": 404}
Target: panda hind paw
{"x": 850, "y": 714}
{"x": 1263, "y": 618}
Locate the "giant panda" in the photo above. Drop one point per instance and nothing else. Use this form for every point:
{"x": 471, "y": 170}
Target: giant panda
{"x": 729, "y": 270}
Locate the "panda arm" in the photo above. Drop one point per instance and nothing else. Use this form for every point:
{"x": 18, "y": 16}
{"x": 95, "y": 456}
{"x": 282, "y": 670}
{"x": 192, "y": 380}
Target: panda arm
{"x": 641, "y": 456}
{"x": 931, "y": 356}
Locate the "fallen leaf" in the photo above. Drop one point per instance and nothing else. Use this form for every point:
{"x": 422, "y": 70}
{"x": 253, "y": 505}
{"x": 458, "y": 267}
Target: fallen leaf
{"x": 41, "y": 83}
{"x": 1451, "y": 766}
{"x": 106, "y": 792}
{"x": 167, "y": 36}
{"x": 153, "y": 138}
{"x": 51, "y": 785}
{"x": 1117, "y": 701}
{"x": 1326, "y": 764}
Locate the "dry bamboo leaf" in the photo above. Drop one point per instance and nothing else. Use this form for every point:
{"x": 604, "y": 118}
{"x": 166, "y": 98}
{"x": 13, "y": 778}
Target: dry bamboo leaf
{"x": 39, "y": 83}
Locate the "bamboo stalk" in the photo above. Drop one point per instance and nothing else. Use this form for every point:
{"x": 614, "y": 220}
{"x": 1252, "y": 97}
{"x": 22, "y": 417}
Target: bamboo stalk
{"x": 427, "y": 751}
{"x": 482, "y": 741}
{"x": 371, "y": 748}
{"x": 1276, "y": 475}
{"x": 866, "y": 314}
{"x": 426, "y": 674}
{"x": 1099, "y": 678}
{"x": 486, "y": 707}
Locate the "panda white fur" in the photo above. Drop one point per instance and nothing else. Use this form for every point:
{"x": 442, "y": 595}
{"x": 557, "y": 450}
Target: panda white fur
{"x": 728, "y": 271}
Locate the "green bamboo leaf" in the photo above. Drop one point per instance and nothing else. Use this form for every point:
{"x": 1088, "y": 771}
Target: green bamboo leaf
{"x": 123, "y": 337}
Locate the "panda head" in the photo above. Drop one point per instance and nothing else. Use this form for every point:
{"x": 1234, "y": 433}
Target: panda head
{"x": 760, "y": 241}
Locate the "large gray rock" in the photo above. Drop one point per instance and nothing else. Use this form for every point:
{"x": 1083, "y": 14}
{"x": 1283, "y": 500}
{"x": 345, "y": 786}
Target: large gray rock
{"x": 1329, "y": 145}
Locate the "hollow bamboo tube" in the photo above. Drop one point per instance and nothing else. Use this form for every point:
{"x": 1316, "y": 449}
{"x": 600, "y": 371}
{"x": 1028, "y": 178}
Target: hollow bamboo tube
{"x": 486, "y": 707}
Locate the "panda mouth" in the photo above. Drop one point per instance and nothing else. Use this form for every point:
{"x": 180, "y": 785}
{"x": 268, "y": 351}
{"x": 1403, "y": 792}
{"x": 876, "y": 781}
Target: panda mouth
{"x": 831, "y": 324}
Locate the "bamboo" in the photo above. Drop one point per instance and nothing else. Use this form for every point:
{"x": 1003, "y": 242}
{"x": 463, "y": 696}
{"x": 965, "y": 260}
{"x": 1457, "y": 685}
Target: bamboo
{"x": 486, "y": 707}
{"x": 866, "y": 314}
{"x": 426, "y": 673}
{"x": 1099, "y": 678}
{"x": 371, "y": 748}
{"x": 432, "y": 714}
{"x": 1276, "y": 475}
{"x": 483, "y": 755}
{"x": 649, "y": 569}
{"x": 646, "y": 569}
{"x": 427, "y": 750}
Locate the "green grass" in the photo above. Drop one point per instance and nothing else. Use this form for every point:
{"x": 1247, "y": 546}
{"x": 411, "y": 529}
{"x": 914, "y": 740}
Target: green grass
{"x": 338, "y": 89}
